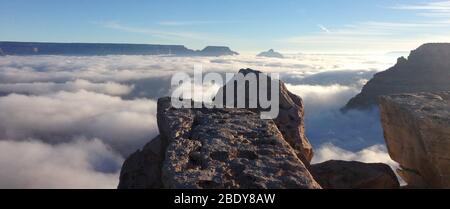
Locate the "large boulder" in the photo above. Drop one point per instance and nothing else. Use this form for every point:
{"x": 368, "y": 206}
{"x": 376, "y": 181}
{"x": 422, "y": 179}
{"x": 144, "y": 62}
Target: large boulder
{"x": 290, "y": 120}
{"x": 336, "y": 174}
{"x": 417, "y": 132}
{"x": 426, "y": 70}
{"x": 215, "y": 148}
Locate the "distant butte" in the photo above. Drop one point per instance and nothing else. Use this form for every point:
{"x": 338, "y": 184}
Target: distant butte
{"x": 271, "y": 53}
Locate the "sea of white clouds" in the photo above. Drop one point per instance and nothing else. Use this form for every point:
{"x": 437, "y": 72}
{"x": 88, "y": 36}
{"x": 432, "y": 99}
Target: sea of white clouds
{"x": 69, "y": 122}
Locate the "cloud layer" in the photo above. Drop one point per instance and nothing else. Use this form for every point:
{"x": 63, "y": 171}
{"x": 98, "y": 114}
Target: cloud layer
{"x": 36, "y": 88}
{"x": 372, "y": 154}
{"x": 79, "y": 164}
{"x": 77, "y": 118}
{"x": 122, "y": 124}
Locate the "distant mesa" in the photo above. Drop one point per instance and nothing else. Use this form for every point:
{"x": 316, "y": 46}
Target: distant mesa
{"x": 217, "y": 51}
{"x": 271, "y": 53}
{"x": 425, "y": 70}
{"x": 100, "y": 49}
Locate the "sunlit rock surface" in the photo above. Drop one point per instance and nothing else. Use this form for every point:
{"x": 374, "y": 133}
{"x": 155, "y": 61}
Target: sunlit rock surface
{"x": 290, "y": 120}
{"x": 417, "y": 132}
{"x": 215, "y": 148}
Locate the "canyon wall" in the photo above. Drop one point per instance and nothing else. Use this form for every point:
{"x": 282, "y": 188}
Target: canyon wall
{"x": 427, "y": 69}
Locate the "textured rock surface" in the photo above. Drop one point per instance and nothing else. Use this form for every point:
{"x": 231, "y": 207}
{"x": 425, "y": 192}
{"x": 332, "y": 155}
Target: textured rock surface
{"x": 142, "y": 169}
{"x": 290, "y": 120}
{"x": 426, "y": 70}
{"x": 417, "y": 132}
{"x": 354, "y": 175}
{"x": 217, "y": 148}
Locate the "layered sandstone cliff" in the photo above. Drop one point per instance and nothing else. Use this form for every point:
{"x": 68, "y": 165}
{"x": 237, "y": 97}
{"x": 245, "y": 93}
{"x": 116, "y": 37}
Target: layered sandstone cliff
{"x": 417, "y": 132}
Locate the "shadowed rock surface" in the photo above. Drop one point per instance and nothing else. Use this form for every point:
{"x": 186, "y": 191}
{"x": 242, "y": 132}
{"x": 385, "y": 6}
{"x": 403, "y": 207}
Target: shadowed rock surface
{"x": 215, "y": 148}
{"x": 290, "y": 120}
{"x": 142, "y": 169}
{"x": 427, "y": 69}
{"x": 336, "y": 174}
{"x": 417, "y": 132}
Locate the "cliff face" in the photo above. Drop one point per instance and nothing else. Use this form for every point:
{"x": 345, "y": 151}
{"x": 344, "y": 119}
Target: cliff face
{"x": 417, "y": 132}
{"x": 426, "y": 70}
{"x": 215, "y": 148}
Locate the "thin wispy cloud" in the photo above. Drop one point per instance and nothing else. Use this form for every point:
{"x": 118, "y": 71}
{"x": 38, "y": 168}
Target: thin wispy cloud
{"x": 385, "y": 35}
{"x": 192, "y": 23}
{"x": 171, "y": 34}
{"x": 406, "y": 25}
{"x": 367, "y": 38}
{"x": 323, "y": 28}
{"x": 435, "y": 6}
{"x": 439, "y": 9}
{"x": 153, "y": 32}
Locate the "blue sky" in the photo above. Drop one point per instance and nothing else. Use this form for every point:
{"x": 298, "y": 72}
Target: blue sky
{"x": 244, "y": 25}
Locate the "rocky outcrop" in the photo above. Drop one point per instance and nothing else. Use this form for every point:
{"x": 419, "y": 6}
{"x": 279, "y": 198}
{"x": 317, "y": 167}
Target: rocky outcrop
{"x": 425, "y": 70}
{"x": 290, "y": 120}
{"x": 142, "y": 169}
{"x": 417, "y": 132}
{"x": 354, "y": 175}
{"x": 215, "y": 148}
{"x": 200, "y": 148}
{"x": 271, "y": 53}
